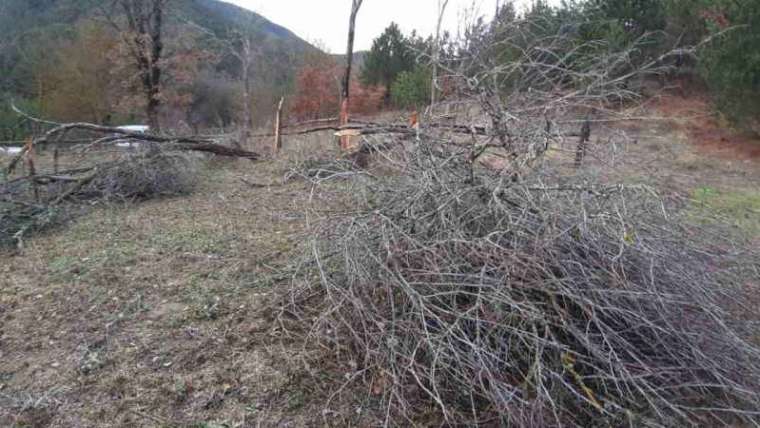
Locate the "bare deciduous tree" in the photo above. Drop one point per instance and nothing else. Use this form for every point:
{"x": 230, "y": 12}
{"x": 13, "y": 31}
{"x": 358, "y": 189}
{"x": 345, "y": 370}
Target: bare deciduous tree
{"x": 245, "y": 52}
{"x": 442, "y": 4}
{"x": 243, "y": 46}
{"x": 345, "y": 93}
{"x": 143, "y": 35}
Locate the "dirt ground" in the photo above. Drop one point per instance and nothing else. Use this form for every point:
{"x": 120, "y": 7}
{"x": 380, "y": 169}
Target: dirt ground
{"x": 153, "y": 314}
{"x": 150, "y": 314}
{"x": 706, "y": 131}
{"x": 679, "y": 148}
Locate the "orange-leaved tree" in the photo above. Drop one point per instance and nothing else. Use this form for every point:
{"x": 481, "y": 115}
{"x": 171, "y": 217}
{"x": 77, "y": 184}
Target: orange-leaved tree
{"x": 317, "y": 92}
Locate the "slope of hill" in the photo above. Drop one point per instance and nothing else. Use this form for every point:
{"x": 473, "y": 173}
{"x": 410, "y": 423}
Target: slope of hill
{"x": 360, "y": 57}
{"x": 40, "y": 21}
{"x": 22, "y": 16}
{"x": 218, "y": 16}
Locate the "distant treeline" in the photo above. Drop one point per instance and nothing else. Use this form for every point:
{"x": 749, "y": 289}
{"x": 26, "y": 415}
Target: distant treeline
{"x": 725, "y": 35}
{"x": 65, "y": 61}
{"x": 83, "y": 71}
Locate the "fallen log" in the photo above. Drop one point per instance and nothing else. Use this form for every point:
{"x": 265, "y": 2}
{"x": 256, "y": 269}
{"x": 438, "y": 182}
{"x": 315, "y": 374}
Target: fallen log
{"x": 114, "y": 135}
{"x": 311, "y": 122}
{"x": 369, "y": 128}
{"x": 373, "y": 128}
{"x": 219, "y": 150}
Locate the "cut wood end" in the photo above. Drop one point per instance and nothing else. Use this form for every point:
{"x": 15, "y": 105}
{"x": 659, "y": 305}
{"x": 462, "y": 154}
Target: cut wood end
{"x": 349, "y": 133}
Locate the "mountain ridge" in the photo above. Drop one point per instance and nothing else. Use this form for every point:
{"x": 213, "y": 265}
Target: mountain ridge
{"x": 45, "y": 20}
{"x": 17, "y": 16}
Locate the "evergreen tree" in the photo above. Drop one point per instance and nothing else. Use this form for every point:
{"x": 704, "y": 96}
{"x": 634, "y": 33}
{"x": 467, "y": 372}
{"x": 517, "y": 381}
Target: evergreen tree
{"x": 412, "y": 88}
{"x": 390, "y": 56}
{"x": 731, "y": 62}
{"x": 636, "y": 17}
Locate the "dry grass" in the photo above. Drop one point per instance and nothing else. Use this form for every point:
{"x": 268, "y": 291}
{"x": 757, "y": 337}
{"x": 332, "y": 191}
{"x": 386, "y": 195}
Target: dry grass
{"x": 150, "y": 314}
{"x": 663, "y": 154}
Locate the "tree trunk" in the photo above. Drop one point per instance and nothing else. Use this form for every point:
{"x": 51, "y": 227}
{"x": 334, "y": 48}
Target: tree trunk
{"x": 152, "y": 112}
{"x": 585, "y": 136}
{"x": 155, "y": 68}
{"x": 346, "y": 94}
{"x": 356, "y": 4}
{"x": 246, "y": 58}
{"x": 145, "y": 40}
{"x": 437, "y": 53}
{"x": 278, "y": 127}
{"x": 247, "y": 119}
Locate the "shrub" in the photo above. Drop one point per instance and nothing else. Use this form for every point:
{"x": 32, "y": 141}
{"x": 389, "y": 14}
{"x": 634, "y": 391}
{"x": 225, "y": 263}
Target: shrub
{"x": 412, "y": 88}
{"x": 317, "y": 91}
{"x": 731, "y": 62}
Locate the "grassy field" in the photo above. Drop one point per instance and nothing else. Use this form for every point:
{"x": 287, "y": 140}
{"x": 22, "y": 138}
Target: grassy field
{"x": 150, "y": 314}
{"x": 155, "y": 314}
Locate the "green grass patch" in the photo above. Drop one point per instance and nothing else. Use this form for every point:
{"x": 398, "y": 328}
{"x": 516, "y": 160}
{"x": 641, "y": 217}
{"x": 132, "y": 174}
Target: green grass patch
{"x": 740, "y": 208}
{"x": 191, "y": 240}
{"x": 117, "y": 255}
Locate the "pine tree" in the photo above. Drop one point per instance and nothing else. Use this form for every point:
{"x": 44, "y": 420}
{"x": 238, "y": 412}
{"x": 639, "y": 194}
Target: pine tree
{"x": 390, "y": 56}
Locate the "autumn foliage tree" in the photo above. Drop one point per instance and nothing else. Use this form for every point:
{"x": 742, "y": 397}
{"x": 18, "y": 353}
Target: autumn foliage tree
{"x": 143, "y": 34}
{"x": 83, "y": 81}
{"x": 88, "y": 75}
{"x": 118, "y": 62}
{"x": 318, "y": 91}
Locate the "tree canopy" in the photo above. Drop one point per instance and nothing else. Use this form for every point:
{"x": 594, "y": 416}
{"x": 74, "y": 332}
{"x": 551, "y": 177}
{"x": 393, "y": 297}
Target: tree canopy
{"x": 390, "y": 56}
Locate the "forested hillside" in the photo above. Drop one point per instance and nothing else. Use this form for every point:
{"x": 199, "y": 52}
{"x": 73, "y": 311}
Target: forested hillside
{"x": 43, "y": 42}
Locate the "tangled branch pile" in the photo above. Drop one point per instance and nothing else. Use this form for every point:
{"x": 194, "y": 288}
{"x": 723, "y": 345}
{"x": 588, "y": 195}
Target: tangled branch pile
{"x": 34, "y": 202}
{"x": 148, "y": 173}
{"x": 528, "y": 305}
{"x": 140, "y": 166}
{"x": 522, "y": 299}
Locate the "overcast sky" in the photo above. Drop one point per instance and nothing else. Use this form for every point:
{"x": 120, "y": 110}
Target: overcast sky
{"x": 326, "y": 21}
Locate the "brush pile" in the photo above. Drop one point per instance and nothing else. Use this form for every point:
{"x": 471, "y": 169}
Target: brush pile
{"x": 102, "y": 164}
{"x": 523, "y": 303}
{"x": 35, "y": 202}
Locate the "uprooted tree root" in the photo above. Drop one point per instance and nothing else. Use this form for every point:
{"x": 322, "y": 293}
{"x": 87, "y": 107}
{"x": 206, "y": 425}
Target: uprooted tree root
{"x": 523, "y": 304}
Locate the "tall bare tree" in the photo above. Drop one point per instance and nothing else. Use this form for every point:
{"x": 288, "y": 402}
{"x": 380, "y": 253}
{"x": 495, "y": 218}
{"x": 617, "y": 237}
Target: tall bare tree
{"x": 245, "y": 52}
{"x": 143, "y": 35}
{"x": 346, "y": 84}
{"x": 355, "y": 6}
{"x": 442, "y": 4}
{"x": 244, "y": 46}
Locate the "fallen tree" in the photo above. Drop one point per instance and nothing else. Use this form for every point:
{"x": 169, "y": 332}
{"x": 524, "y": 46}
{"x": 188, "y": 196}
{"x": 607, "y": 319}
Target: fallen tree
{"x": 115, "y": 135}
{"x": 104, "y": 164}
{"x": 371, "y": 128}
{"x": 35, "y": 202}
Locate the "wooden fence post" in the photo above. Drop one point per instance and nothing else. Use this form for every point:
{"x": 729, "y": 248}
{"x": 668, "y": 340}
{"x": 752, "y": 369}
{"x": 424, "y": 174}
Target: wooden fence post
{"x": 278, "y": 127}
{"x": 580, "y": 152}
{"x": 345, "y": 140}
{"x": 32, "y": 169}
